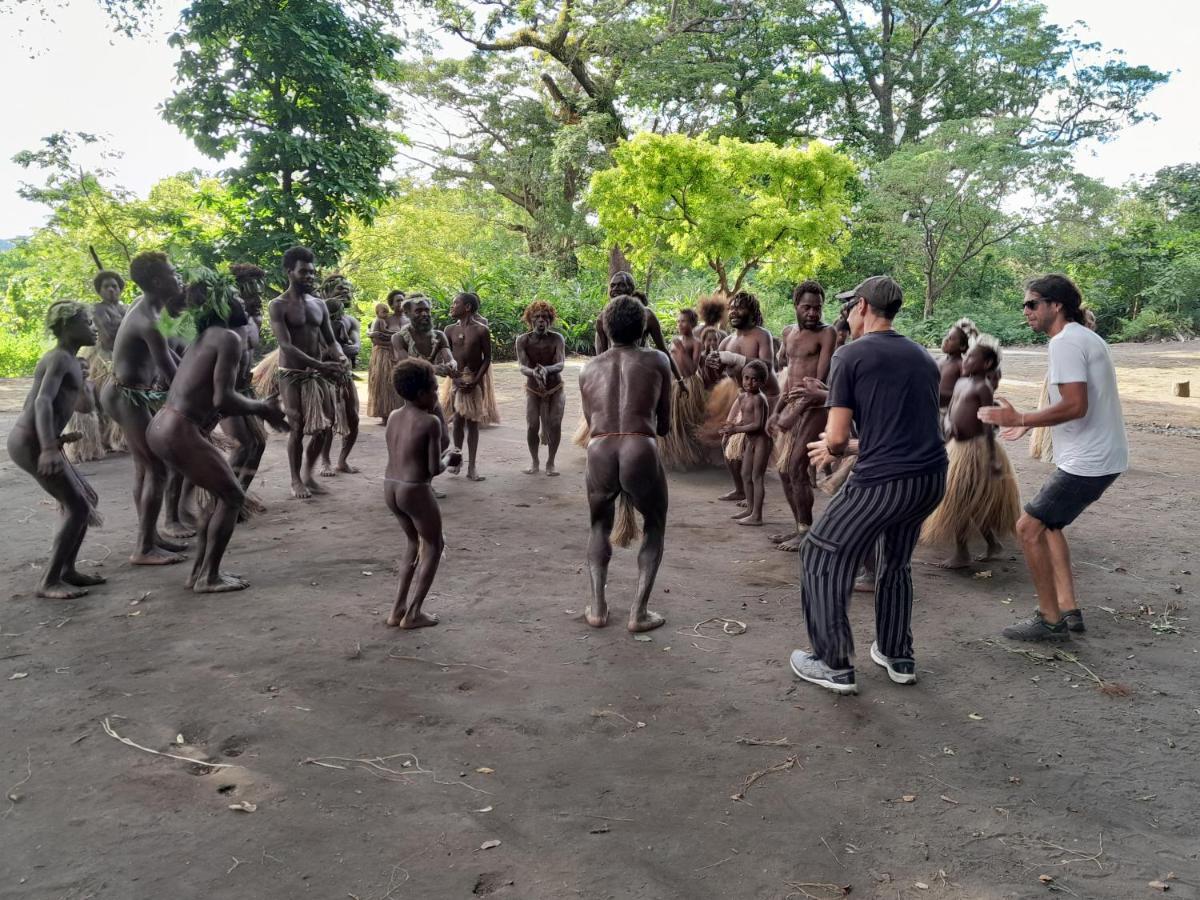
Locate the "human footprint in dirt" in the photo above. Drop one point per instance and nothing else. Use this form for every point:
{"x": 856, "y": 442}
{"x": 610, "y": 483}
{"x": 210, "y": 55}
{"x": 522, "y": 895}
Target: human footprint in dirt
{"x": 626, "y": 393}
{"x": 418, "y": 450}
{"x": 35, "y": 445}
{"x": 204, "y": 389}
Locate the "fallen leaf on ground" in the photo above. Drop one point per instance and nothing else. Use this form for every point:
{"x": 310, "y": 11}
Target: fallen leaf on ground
{"x": 920, "y": 885}
{"x": 488, "y": 845}
{"x": 1045, "y": 879}
{"x": 644, "y": 638}
{"x": 485, "y": 770}
{"x": 976, "y": 716}
{"x": 485, "y": 809}
{"x": 986, "y": 573}
{"x": 1160, "y": 885}
{"x": 244, "y": 806}
{"x": 949, "y": 800}
{"x": 179, "y": 739}
{"x": 909, "y": 798}
{"x": 15, "y": 675}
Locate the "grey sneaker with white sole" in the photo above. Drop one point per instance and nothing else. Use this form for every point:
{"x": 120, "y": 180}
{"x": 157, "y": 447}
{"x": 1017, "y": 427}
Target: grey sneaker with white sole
{"x": 811, "y": 669}
{"x": 900, "y": 670}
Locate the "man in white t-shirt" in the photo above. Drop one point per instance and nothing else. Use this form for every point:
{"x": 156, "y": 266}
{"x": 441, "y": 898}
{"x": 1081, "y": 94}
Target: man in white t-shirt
{"x": 1090, "y": 450}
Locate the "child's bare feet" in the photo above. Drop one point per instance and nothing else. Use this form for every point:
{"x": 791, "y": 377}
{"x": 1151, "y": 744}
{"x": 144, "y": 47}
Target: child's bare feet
{"x": 993, "y": 551}
{"x": 223, "y": 583}
{"x": 472, "y": 475}
{"x": 344, "y": 466}
{"x": 782, "y": 537}
{"x": 300, "y": 491}
{"x": 314, "y": 487}
{"x": 158, "y": 556}
{"x": 532, "y": 470}
{"x": 177, "y": 530}
{"x": 960, "y": 560}
{"x": 326, "y": 471}
{"x": 733, "y": 495}
{"x": 749, "y": 520}
{"x": 741, "y": 515}
{"x": 551, "y": 472}
{"x": 418, "y": 620}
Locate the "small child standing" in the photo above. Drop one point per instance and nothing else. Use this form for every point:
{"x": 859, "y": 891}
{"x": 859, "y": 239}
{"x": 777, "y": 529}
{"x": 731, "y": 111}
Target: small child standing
{"x": 956, "y": 342}
{"x": 747, "y": 441}
{"x": 981, "y": 488}
{"x": 417, "y": 445}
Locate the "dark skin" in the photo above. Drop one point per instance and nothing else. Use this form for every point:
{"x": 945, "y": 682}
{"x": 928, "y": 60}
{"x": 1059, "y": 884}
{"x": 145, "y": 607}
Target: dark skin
{"x": 748, "y": 416}
{"x": 35, "y": 445}
{"x": 418, "y": 450}
{"x": 347, "y": 395}
{"x": 471, "y": 346}
{"x": 972, "y": 393}
{"x": 204, "y": 388}
{"x": 426, "y": 338}
{"x": 384, "y": 328}
{"x": 954, "y": 345}
{"x": 245, "y": 458}
{"x": 541, "y": 355}
{"x": 685, "y": 348}
{"x": 141, "y": 357}
{"x": 301, "y": 326}
{"x": 653, "y": 331}
{"x": 806, "y": 349}
{"x": 626, "y": 393}
{"x": 108, "y": 313}
{"x": 710, "y": 342}
{"x": 749, "y": 341}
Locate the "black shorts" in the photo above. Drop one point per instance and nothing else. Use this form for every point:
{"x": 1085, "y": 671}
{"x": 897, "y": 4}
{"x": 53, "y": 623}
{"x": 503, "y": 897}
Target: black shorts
{"x": 1064, "y": 496}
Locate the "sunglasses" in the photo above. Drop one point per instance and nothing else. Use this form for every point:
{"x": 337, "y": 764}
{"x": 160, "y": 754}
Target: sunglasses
{"x": 1031, "y": 304}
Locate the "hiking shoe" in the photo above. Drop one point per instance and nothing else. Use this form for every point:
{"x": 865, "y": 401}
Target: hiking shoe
{"x": 1036, "y": 628}
{"x": 808, "y": 667}
{"x": 1073, "y": 618}
{"x": 899, "y": 669}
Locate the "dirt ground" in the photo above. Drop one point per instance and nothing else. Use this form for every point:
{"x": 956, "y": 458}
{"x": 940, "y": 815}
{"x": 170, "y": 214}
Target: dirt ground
{"x": 379, "y": 765}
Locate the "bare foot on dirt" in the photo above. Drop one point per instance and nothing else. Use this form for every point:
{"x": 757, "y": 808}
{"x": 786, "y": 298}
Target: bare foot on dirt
{"x": 596, "y": 621}
{"x": 957, "y": 561}
{"x": 993, "y": 551}
{"x": 439, "y": 494}
{"x": 551, "y": 472}
{"x": 344, "y": 466}
{"x": 300, "y": 492}
{"x": 221, "y": 585}
{"x": 748, "y": 520}
{"x": 472, "y": 475}
{"x": 60, "y": 590}
{"x": 782, "y": 537}
{"x": 79, "y": 579}
{"x": 158, "y": 556}
{"x": 733, "y": 495}
{"x": 326, "y": 471}
{"x": 532, "y": 470}
{"x": 315, "y": 487}
{"x": 741, "y": 515}
{"x": 170, "y": 546}
{"x": 647, "y": 621}
{"x": 420, "y": 620}
{"x": 177, "y": 530}
{"x": 792, "y": 545}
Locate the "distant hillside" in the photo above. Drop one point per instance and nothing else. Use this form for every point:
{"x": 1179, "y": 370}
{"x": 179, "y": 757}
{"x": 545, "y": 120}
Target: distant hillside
{"x": 7, "y": 244}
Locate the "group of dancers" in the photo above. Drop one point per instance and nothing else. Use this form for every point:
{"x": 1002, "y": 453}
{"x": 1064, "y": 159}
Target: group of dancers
{"x": 159, "y": 377}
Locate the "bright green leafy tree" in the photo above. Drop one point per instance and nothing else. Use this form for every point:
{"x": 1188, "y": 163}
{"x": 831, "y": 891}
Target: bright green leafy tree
{"x": 731, "y": 206}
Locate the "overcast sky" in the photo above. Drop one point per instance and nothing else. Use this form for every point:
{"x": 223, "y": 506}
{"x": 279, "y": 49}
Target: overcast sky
{"x": 87, "y": 79}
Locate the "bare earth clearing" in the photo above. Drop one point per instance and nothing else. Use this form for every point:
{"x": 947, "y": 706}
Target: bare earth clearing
{"x": 378, "y": 764}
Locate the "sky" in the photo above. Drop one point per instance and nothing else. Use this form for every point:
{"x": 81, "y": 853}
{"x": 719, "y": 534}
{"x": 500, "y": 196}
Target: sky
{"x": 73, "y": 74}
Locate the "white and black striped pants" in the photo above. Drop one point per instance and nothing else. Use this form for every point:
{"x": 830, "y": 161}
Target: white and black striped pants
{"x": 855, "y": 521}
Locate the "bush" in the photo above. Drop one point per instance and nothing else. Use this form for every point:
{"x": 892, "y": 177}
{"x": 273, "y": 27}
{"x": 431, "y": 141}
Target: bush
{"x": 1152, "y": 325}
{"x": 19, "y": 353}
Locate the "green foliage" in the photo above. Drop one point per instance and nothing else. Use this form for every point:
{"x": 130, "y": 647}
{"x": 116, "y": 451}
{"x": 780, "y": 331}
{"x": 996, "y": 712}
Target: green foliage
{"x": 19, "y": 353}
{"x": 732, "y": 206}
{"x": 289, "y": 86}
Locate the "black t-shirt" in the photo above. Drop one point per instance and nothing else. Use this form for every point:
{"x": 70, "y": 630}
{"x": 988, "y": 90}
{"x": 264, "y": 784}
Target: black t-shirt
{"x": 891, "y": 385}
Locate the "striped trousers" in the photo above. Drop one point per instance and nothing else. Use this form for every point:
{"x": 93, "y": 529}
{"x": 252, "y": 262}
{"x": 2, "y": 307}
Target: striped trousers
{"x": 883, "y": 517}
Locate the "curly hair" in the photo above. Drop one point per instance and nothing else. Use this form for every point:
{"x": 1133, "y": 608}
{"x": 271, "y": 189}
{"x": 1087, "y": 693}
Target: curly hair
{"x": 392, "y": 295}
{"x": 621, "y": 284}
{"x": 690, "y": 314}
{"x": 712, "y": 310}
{"x": 107, "y": 275}
{"x": 538, "y": 307}
{"x": 756, "y": 365}
{"x": 807, "y": 287}
{"x": 382, "y": 310}
{"x": 297, "y": 254}
{"x": 624, "y": 319}
{"x": 411, "y": 377}
{"x": 750, "y": 301}
{"x": 990, "y": 345}
{"x": 61, "y": 312}
{"x": 470, "y": 298}
{"x": 147, "y": 266}
{"x": 246, "y": 271}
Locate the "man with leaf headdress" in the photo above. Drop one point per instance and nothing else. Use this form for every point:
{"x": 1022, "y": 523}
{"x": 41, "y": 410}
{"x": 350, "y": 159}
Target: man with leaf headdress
{"x": 142, "y": 369}
{"x": 205, "y": 389}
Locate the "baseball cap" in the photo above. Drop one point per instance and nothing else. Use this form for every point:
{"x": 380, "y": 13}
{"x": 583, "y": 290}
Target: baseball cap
{"x": 881, "y": 291}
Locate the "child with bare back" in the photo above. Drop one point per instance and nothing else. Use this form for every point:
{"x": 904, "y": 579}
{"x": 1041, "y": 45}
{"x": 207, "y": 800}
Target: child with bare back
{"x": 747, "y": 441}
{"x": 36, "y": 440}
{"x": 418, "y": 451}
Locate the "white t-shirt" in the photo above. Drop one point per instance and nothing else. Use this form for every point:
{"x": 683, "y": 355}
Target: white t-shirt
{"x": 1094, "y": 445}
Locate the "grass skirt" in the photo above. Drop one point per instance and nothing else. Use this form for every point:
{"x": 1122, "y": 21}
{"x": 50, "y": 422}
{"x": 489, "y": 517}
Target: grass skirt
{"x": 974, "y": 497}
{"x": 90, "y": 445}
{"x": 262, "y": 379}
{"x": 475, "y": 405}
{"x": 344, "y": 394}
{"x": 1041, "y": 440}
{"x": 625, "y": 526}
{"x": 735, "y": 446}
{"x": 719, "y": 402}
{"x": 583, "y": 433}
{"x": 381, "y": 395}
{"x": 317, "y": 402}
{"x": 680, "y": 448}
{"x": 99, "y": 374}
{"x": 830, "y": 480}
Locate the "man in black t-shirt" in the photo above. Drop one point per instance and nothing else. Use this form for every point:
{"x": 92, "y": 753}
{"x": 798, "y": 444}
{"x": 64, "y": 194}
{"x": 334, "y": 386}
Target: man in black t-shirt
{"x": 887, "y": 386}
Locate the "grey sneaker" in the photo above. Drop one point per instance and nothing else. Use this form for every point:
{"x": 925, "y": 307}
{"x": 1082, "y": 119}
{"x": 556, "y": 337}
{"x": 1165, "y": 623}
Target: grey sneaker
{"x": 808, "y": 667}
{"x": 1073, "y": 618}
{"x": 899, "y": 669}
{"x": 1036, "y": 628}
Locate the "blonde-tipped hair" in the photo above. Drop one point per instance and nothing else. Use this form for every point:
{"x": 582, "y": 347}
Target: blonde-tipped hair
{"x": 988, "y": 341}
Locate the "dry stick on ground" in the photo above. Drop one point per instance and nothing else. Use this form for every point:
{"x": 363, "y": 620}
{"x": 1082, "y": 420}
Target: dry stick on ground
{"x": 612, "y": 713}
{"x": 11, "y": 794}
{"x": 445, "y": 665}
{"x": 831, "y": 853}
{"x": 96, "y": 562}
{"x": 832, "y": 890}
{"x": 755, "y": 742}
{"x": 713, "y": 865}
{"x": 1110, "y": 688}
{"x": 790, "y": 763}
{"x": 111, "y": 732}
{"x": 1080, "y": 855}
{"x": 375, "y": 766}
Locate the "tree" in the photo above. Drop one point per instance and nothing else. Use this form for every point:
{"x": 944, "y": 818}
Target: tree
{"x": 901, "y": 68}
{"x": 942, "y": 202}
{"x": 290, "y": 86}
{"x": 732, "y": 206}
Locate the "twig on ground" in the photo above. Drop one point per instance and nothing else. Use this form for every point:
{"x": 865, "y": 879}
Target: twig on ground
{"x": 111, "y": 732}
{"x": 96, "y": 562}
{"x": 830, "y": 891}
{"x": 612, "y": 713}
{"x": 1080, "y": 855}
{"x": 755, "y": 742}
{"x": 607, "y": 818}
{"x": 790, "y": 763}
{"x": 11, "y": 794}
{"x": 376, "y": 766}
{"x": 1112, "y": 689}
{"x": 831, "y": 853}
{"x": 32, "y": 513}
{"x": 236, "y": 862}
{"x": 445, "y": 665}
{"x": 714, "y": 865}
{"x": 729, "y": 626}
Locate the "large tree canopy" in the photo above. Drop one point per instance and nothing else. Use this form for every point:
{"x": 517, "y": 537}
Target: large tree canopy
{"x": 732, "y": 206}
{"x": 290, "y": 87}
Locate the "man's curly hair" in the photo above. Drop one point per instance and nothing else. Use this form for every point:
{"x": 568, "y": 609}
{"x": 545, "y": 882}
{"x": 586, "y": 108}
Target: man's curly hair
{"x": 538, "y": 307}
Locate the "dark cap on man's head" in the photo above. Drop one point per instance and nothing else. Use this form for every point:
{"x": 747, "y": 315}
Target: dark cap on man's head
{"x": 881, "y": 291}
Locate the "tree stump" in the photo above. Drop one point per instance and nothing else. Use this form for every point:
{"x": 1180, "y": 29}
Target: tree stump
{"x": 1183, "y": 389}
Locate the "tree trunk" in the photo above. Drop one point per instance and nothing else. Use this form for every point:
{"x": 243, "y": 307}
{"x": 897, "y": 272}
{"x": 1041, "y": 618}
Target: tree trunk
{"x": 931, "y": 296}
{"x": 617, "y": 262}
